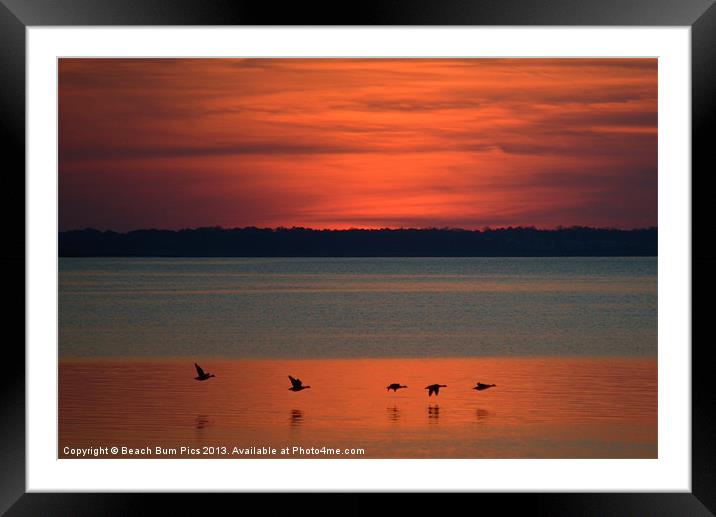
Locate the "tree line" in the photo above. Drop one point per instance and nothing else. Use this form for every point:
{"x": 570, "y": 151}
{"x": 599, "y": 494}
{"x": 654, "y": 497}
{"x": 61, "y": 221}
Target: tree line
{"x": 304, "y": 242}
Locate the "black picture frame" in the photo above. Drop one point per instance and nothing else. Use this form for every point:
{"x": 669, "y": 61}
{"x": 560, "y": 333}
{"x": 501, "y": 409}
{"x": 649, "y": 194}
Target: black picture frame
{"x": 17, "y": 15}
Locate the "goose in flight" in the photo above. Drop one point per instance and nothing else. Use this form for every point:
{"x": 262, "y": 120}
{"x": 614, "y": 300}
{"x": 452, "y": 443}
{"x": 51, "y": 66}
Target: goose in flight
{"x": 201, "y": 376}
{"x": 435, "y": 388}
{"x": 479, "y": 386}
{"x": 395, "y": 387}
{"x": 296, "y": 384}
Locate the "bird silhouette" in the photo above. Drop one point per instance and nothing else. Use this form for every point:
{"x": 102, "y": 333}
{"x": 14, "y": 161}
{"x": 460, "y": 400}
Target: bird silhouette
{"x": 479, "y": 386}
{"x": 395, "y": 387}
{"x": 296, "y": 384}
{"x": 201, "y": 376}
{"x": 435, "y": 388}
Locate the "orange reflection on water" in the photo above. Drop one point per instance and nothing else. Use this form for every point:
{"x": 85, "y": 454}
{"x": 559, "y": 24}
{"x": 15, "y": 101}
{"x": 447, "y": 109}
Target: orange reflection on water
{"x": 540, "y": 408}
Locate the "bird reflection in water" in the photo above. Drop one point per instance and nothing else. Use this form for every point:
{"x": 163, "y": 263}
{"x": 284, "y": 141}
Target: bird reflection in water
{"x": 296, "y": 418}
{"x": 481, "y": 414}
{"x": 433, "y": 412}
{"x": 393, "y": 413}
{"x": 201, "y": 421}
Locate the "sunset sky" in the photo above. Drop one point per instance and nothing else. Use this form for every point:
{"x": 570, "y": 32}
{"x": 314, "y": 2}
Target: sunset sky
{"x": 362, "y": 143}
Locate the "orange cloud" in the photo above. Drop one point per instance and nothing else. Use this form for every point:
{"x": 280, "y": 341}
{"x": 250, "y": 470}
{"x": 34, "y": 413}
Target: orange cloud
{"x": 338, "y": 143}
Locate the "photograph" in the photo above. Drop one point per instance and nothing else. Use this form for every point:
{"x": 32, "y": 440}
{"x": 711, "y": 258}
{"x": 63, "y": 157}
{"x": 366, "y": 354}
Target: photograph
{"x": 357, "y": 258}
{"x": 442, "y": 248}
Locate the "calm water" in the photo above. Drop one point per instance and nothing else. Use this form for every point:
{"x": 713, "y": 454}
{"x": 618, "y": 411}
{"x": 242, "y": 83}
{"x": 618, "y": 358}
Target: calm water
{"x": 364, "y": 307}
{"x": 541, "y": 408}
{"x": 570, "y": 343}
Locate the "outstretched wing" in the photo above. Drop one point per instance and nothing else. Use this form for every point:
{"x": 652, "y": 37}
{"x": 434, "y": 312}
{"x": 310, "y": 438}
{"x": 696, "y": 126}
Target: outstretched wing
{"x": 199, "y": 370}
{"x": 295, "y": 382}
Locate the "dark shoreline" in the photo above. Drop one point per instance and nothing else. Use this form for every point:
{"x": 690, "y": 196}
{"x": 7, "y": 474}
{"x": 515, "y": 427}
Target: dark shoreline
{"x": 302, "y": 242}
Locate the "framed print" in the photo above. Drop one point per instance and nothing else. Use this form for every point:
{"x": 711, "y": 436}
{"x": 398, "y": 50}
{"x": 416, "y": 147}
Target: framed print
{"x": 451, "y": 239}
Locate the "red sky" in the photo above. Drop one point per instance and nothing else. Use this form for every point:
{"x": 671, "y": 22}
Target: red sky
{"x": 363, "y": 143}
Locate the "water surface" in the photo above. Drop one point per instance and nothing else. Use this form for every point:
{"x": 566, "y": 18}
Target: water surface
{"x": 358, "y": 307}
{"x": 570, "y": 342}
{"x": 541, "y": 407}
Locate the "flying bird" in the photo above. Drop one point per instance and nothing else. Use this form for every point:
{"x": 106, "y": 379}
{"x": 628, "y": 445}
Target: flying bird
{"x": 201, "y": 376}
{"x": 296, "y": 384}
{"x": 395, "y": 387}
{"x": 480, "y": 386}
{"x": 435, "y": 388}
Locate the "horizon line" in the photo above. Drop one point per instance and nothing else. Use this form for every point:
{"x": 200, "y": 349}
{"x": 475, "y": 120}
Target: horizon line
{"x": 385, "y": 228}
